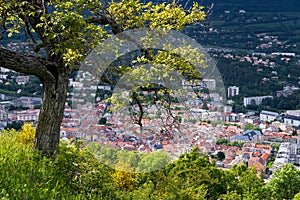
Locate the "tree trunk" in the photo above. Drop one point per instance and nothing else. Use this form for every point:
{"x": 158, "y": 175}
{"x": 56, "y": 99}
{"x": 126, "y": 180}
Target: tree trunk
{"x": 51, "y": 114}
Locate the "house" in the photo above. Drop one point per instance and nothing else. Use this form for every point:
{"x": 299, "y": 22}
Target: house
{"x": 284, "y": 93}
{"x": 269, "y": 116}
{"x": 263, "y": 125}
{"x": 257, "y": 162}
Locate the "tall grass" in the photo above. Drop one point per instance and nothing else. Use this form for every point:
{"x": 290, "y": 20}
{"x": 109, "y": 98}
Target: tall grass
{"x": 72, "y": 174}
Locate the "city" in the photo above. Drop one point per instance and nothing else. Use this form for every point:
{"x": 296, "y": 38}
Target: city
{"x": 265, "y": 140}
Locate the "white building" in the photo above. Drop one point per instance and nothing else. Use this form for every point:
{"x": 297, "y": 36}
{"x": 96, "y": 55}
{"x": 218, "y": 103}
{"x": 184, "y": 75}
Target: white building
{"x": 292, "y": 120}
{"x": 210, "y": 84}
{"x": 293, "y": 112}
{"x": 205, "y": 83}
{"x": 3, "y": 115}
{"x": 283, "y": 54}
{"x": 268, "y": 116}
{"x": 104, "y": 87}
{"x": 4, "y": 70}
{"x": 255, "y": 100}
{"x": 28, "y": 115}
{"x": 287, "y": 153}
{"x": 22, "y": 80}
{"x": 233, "y": 91}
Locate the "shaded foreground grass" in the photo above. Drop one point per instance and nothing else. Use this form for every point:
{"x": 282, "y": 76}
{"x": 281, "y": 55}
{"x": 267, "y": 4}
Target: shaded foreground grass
{"x": 73, "y": 174}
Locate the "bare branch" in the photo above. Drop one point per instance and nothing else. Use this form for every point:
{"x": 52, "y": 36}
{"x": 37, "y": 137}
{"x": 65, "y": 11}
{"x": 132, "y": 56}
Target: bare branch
{"x": 28, "y": 31}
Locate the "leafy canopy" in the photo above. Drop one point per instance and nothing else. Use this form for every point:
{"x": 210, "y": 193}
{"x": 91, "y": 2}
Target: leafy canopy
{"x": 69, "y": 29}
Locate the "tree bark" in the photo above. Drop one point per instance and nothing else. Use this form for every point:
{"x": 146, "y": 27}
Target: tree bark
{"x": 26, "y": 64}
{"x": 55, "y": 81}
{"x": 51, "y": 114}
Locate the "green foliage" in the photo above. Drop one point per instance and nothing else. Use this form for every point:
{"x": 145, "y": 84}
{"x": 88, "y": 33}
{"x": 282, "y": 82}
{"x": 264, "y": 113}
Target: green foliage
{"x": 288, "y": 177}
{"x": 14, "y": 125}
{"x": 75, "y": 173}
{"x": 244, "y": 183}
{"x": 65, "y": 23}
{"x": 297, "y": 196}
{"x": 102, "y": 121}
{"x": 231, "y": 196}
{"x": 222, "y": 141}
{"x": 133, "y": 161}
{"x": 192, "y": 176}
{"x": 251, "y": 127}
{"x": 221, "y": 155}
{"x": 133, "y": 14}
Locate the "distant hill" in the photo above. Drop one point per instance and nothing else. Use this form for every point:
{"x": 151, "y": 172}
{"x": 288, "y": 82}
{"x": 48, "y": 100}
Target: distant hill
{"x": 254, "y": 5}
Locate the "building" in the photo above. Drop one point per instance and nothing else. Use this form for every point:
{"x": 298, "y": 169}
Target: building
{"x": 269, "y": 116}
{"x": 28, "y": 115}
{"x": 248, "y": 136}
{"x": 255, "y": 100}
{"x": 287, "y": 90}
{"x": 22, "y": 80}
{"x": 283, "y": 54}
{"x": 3, "y": 115}
{"x": 258, "y": 163}
{"x": 5, "y": 97}
{"x": 27, "y": 102}
{"x": 293, "y": 112}
{"x": 292, "y": 120}
{"x": 4, "y": 70}
{"x": 287, "y": 153}
{"x": 284, "y": 93}
{"x": 233, "y": 91}
{"x": 210, "y": 84}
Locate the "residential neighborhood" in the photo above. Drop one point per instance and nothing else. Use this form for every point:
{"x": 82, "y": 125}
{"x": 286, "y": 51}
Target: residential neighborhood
{"x": 265, "y": 140}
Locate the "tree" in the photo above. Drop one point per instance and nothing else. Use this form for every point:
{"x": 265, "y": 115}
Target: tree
{"x": 192, "y": 176}
{"x": 221, "y": 141}
{"x": 244, "y": 182}
{"x": 221, "y": 155}
{"x": 64, "y": 32}
{"x": 288, "y": 177}
{"x": 102, "y": 121}
{"x": 251, "y": 127}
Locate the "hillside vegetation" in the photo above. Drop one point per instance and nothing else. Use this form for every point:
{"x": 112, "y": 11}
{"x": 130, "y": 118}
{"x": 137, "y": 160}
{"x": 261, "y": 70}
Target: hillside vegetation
{"x": 75, "y": 173}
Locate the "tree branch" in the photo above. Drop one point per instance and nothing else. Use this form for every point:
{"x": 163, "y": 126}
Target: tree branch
{"x": 104, "y": 20}
{"x": 26, "y": 64}
{"x": 98, "y": 20}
